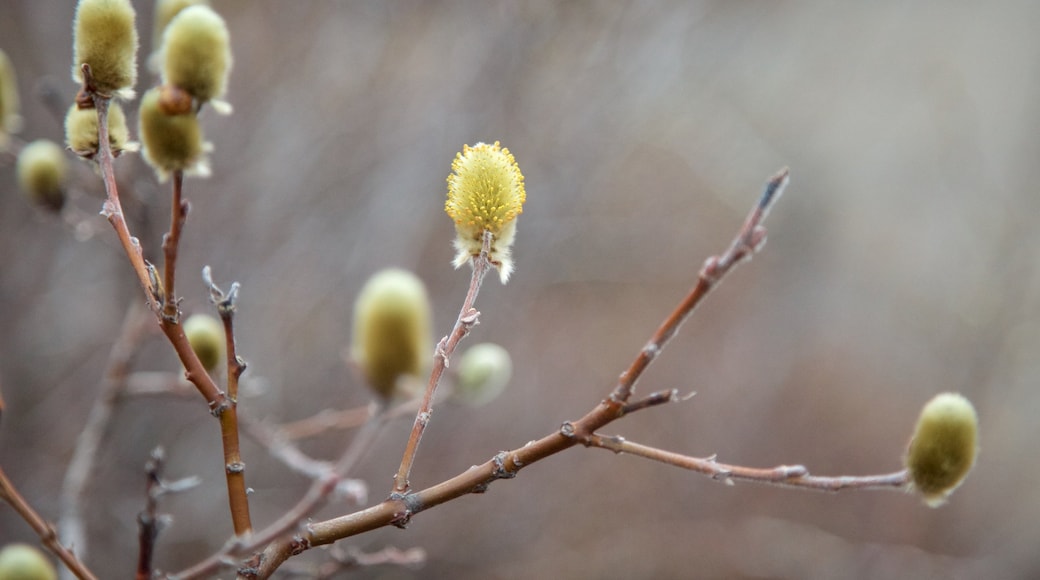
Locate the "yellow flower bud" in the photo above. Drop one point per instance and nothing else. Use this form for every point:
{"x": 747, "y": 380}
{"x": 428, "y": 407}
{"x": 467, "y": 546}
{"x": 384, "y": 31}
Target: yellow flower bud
{"x": 485, "y": 193}
{"x": 483, "y": 373}
{"x": 943, "y": 447}
{"x": 206, "y": 337}
{"x": 41, "y": 173}
{"x": 171, "y": 142}
{"x": 24, "y": 562}
{"x": 81, "y": 131}
{"x": 392, "y": 331}
{"x": 9, "y": 120}
{"x": 105, "y": 38}
{"x": 196, "y": 55}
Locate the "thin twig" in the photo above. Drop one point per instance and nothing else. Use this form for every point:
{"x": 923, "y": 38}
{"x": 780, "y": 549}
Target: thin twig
{"x": 234, "y": 467}
{"x": 468, "y": 317}
{"x": 749, "y": 240}
{"x": 91, "y": 439}
{"x": 341, "y": 419}
{"x": 170, "y": 245}
{"x": 353, "y": 558}
{"x": 43, "y": 528}
{"x": 148, "y": 520}
{"x": 781, "y": 475}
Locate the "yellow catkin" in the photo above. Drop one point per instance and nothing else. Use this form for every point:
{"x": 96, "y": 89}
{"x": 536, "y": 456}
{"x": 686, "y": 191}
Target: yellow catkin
{"x": 196, "y": 54}
{"x": 171, "y": 142}
{"x": 9, "y": 119}
{"x": 485, "y": 194}
{"x": 81, "y": 131}
{"x": 206, "y": 336}
{"x": 483, "y": 373}
{"x": 41, "y": 173}
{"x": 943, "y": 448}
{"x": 25, "y": 562}
{"x": 392, "y": 329}
{"x": 106, "y": 39}
{"x": 164, "y": 12}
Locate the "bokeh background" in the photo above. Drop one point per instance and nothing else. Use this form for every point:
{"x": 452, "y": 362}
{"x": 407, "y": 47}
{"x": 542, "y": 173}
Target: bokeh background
{"x": 902, "y": 262}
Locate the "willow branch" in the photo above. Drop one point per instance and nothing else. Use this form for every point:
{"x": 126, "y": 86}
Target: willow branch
{"x": 170, "y": 245}
{"x": 749, "y": 239}
{"x": 468, "y": 317}
{"x": 781, "y": 475}
{"x": 43, "y": 528}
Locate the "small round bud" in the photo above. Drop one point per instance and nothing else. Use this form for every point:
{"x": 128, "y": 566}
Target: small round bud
{"x": 171, "y": 142}
{"x": 485, "y": 193}
{"x": 105, "y": 38}
{"x": 41, "y": 173}
{"x": 196, "y": 54}
{"x": 24, "y": 562}
{"x": 943, "y": 448}
{"x": 81, "y": 131}
{"x": 10, "y": 122}
{"x": 206, "y": 337}
{"x": 391, "y": 331}
{"x": 483, "y": 373}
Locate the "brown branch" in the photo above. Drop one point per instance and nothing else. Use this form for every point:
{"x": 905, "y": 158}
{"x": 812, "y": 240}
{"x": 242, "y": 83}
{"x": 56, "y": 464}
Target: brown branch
{"x": 781, "y": 475}
{"x": 170, "y": 245}
{"x": 340, "y": 419}
{"x": 468, "y": 317}
{"x": 234, "y": 467}
{"x": 749, "y": 240}
{"x": 43, "y": 528}
{"x": 353, "y": 558}
{"x": 148, "y": 521}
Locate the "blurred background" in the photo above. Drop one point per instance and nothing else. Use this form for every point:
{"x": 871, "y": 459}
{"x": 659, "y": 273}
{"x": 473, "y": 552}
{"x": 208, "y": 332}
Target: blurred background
{"x": 902, "y": 262}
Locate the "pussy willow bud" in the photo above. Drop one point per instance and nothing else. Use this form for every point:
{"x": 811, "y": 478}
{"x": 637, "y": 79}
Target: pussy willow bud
{"x": 391, "y": 331}
{"x": 164, "y": 12}
{"x": 196, "y": 54}
{"x": 81, "y": 131}
{"x": 10, "y": 122}
{"x": 24, "y": 562}
{"x": 171, "y": 142}
{"x": 41, "y": 173}
{"x": 105, "y": 38}
{"x": 483, "y": 373}
{"x": 485, "y": 193}
{"x": 206, "y": 337}
{"x": 943, "y": 447}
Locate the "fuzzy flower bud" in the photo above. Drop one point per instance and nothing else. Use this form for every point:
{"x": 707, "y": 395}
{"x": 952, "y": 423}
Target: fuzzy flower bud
{"x": 172, "y": 142}
{"x": 391, "y": 331}
{"x": 196, "y": 55}
{"x": 105, "y": 38}
{"x": 24, "y": 562}
{"x": 164, "y": 12}
{"x": 10, "y": 122}
{"x": 943, "y": 447}
{"x": 483, "y": 373}
{"x": 206, "y": 337}
{"x": 81, "y": 131}
{"x": 41, "y": 173}
{"x": 485, "y": 194}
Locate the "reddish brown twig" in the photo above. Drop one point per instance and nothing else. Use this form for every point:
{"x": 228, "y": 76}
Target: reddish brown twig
{"x": 749, "y": 240}
{"x": 468, "y": 317}
{"x": 148, "y": 521}
{"x": 782, "y": 475}
{"x": 43, "y": 528}
{"x": 170, "y": 245}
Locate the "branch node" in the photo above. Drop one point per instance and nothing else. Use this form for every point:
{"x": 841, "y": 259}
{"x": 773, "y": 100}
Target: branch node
{"x": 235, "y": 467}
{"x": 567, "y": 429}
{"x": 501, "y": 472}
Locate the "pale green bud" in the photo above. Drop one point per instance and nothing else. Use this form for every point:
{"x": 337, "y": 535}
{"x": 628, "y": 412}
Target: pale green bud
{"x": 81, "y": 131}
{"x": 171, "y": 142}
{"x": 392, "y": 331}
{"x": 483, "y": 373}
{"x": 24, "y": 562}
{"x": 105, "y": 38}
{"x": 206, "y": 337}
{"x": 943, "y": 448}
{"x": 41, "y": 173}
{"x": 196, "y": 55}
